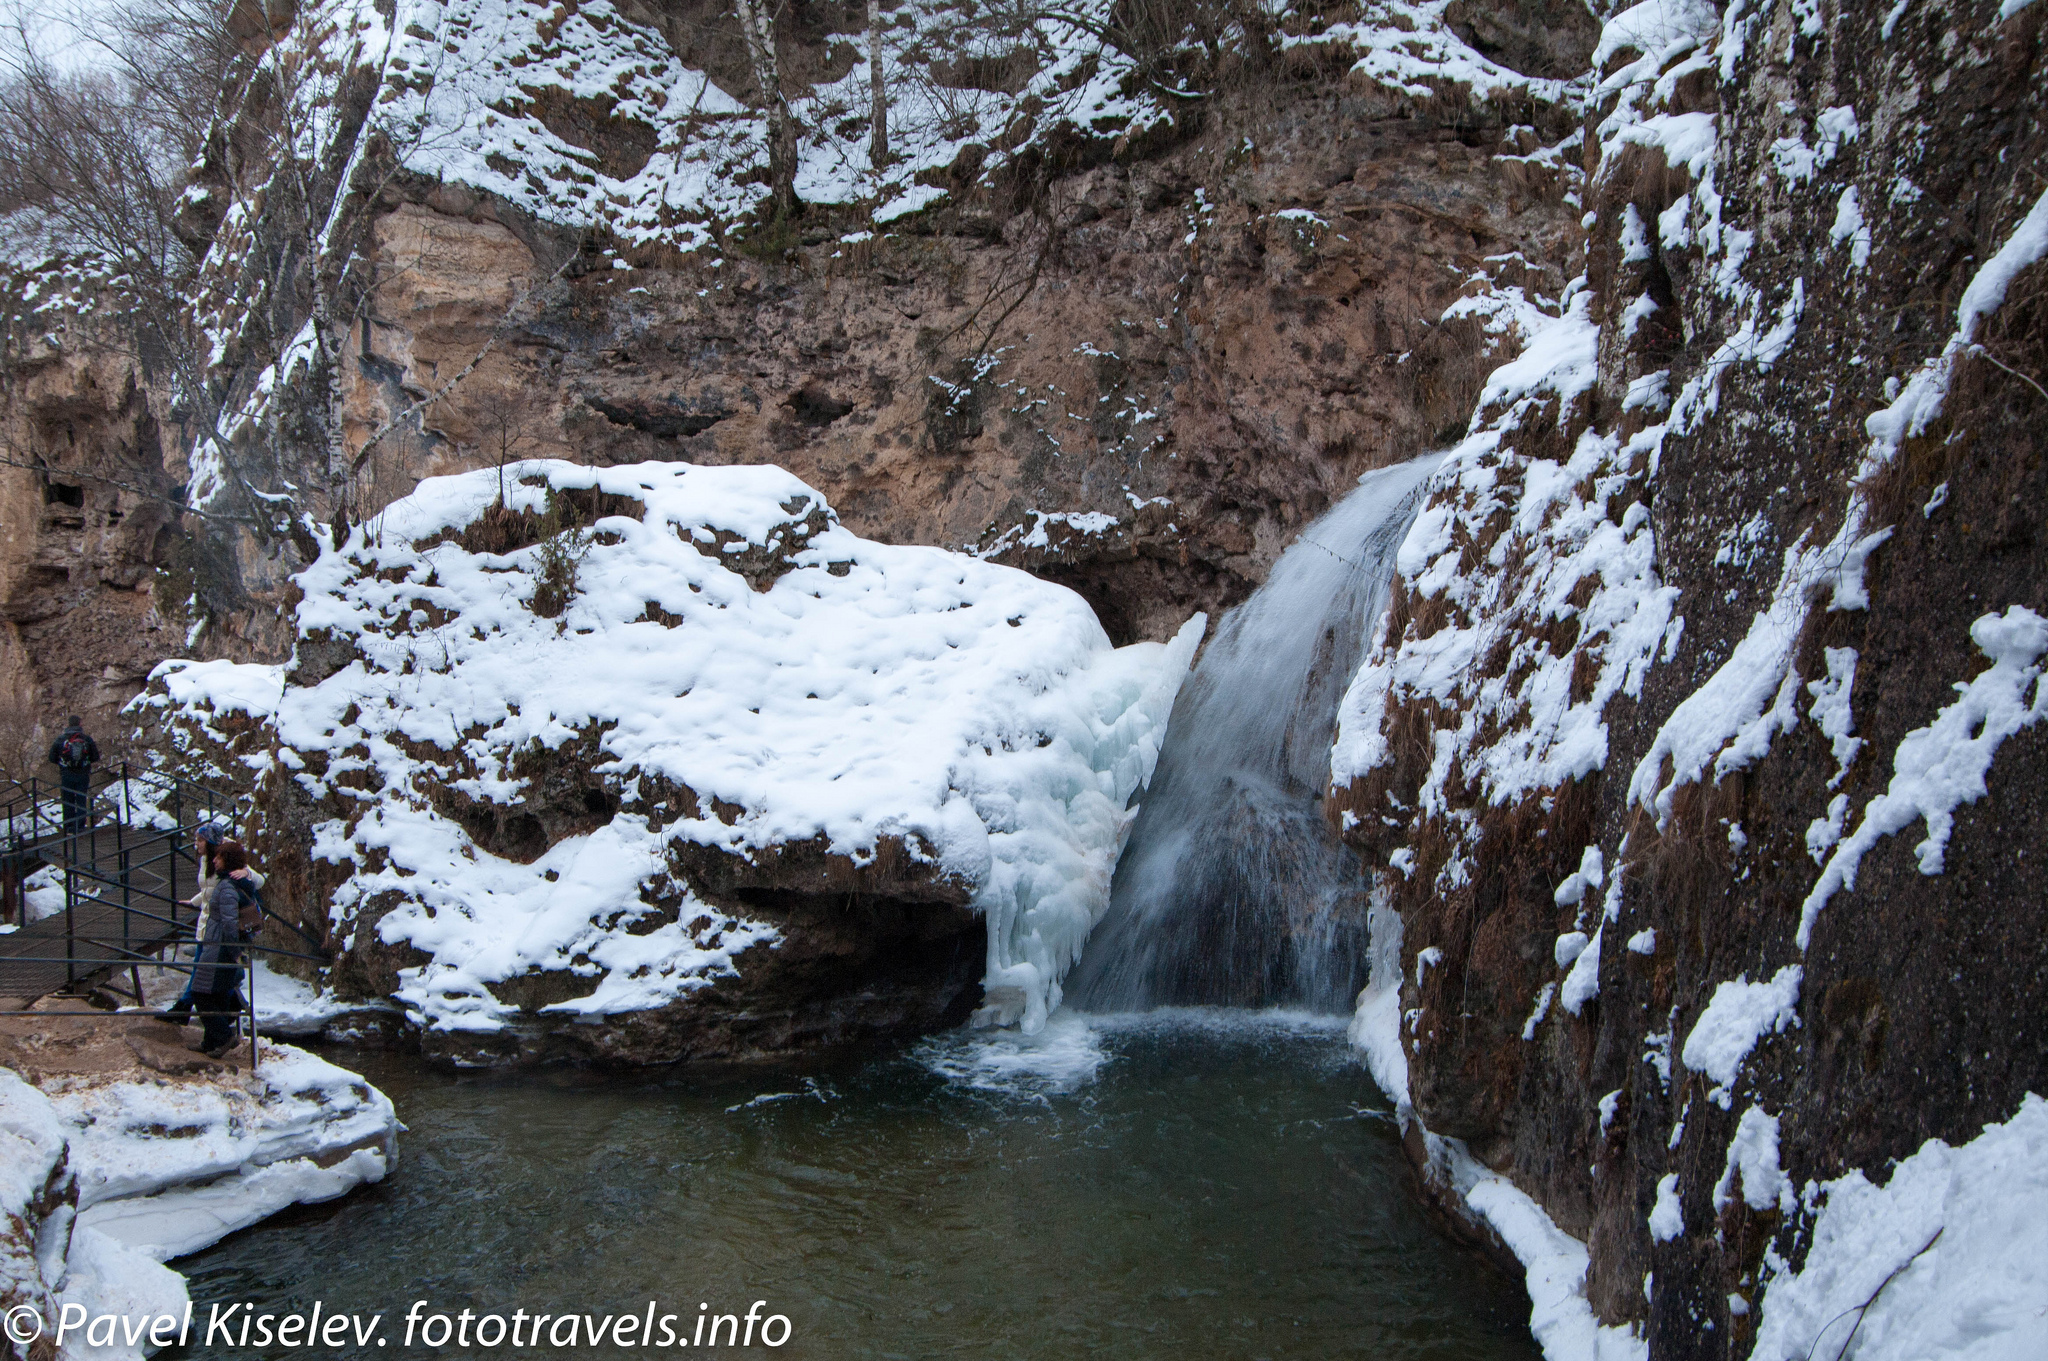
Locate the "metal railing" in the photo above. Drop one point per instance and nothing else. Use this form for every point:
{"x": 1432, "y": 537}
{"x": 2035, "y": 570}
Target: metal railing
{"x": 34, "y": 809}
{"x": 115, "y": 866}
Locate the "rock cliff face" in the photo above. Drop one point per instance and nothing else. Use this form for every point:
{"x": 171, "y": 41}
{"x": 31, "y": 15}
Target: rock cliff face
{"x": 1201, "y": 335}
{"x": 1733, "y": 595}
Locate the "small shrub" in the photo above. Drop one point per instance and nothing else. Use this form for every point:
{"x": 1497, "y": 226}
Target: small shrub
{"x": 560, "y": 559}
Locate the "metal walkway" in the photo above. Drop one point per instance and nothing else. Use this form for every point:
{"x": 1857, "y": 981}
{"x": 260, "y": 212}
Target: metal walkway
{"x": 124, "y": 877}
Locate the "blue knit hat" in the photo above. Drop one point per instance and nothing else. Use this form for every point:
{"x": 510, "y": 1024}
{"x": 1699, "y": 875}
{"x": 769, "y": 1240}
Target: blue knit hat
{"x": 211, "y": 831}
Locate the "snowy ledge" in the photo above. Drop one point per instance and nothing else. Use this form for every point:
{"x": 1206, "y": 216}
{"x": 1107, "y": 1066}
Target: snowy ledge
{"x": 121, "y": 1150}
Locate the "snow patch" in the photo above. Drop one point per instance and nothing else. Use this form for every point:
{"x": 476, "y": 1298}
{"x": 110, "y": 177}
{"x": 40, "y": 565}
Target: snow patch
{"x": 1753, "y": 1162}
{"x": 1943, "y": 766}
{"x": 1667, "y": 1216}
{"x": 1736, "y": 1018}
{"x": 1582, "y": 984}
{"x": 1948, "y": 1261}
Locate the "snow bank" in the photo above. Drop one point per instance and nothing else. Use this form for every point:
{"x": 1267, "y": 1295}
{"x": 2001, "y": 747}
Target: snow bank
{"x": 735, "y": 679}
{"x": 1753, "y": 1165}
{"x": 47, "y": 1259}
{"x": 1556, "y": 1265}
{"x": 1657, "y": 29}
{"x": 292, "y": 1007}
{"x": 167, "y": 1168}
{"x": 31, "y": 1170}
{"x": 1948, "y": 1261}
{"x": 103, "y": 1277}
{"x": 106, "y": 1176}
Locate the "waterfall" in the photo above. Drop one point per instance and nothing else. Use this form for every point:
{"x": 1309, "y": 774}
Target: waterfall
{"x": 1232, "y": 890}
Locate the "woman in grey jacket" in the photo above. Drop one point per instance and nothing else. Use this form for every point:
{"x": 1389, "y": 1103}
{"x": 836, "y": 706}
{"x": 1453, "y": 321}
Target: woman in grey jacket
{"x": 207, "y": 837}
{"x": 217, "y": 977}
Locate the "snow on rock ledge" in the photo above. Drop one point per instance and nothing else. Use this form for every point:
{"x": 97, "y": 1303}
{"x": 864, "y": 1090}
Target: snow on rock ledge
{"x": 1948, "y": 1259}
{"x": 120, "y": 1149}
{"x": 636, "y": 733}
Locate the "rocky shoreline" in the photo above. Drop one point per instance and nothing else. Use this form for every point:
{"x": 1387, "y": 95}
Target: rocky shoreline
{"x": 123, "y": 1149}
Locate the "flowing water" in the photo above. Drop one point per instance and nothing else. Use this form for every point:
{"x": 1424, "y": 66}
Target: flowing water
{"x": 1232, "y": 890}
{"x": 1188, "y": 1185}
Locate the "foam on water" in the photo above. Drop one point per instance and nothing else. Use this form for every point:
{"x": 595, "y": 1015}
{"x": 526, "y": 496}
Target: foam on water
{"x": 1070, "y": 1053}
{"x": 1062, "y": 1057}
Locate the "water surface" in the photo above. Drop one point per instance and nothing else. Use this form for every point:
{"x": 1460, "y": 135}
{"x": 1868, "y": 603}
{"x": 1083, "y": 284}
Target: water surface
{"x": 1187, "y": 1186}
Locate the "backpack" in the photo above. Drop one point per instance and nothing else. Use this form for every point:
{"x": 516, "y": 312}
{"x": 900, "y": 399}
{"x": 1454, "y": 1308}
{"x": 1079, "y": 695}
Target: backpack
{"x": 250, "y": 919}
{"x": 75, "y": 752}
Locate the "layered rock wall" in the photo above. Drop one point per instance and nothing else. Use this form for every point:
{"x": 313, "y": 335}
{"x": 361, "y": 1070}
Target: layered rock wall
{"x": 1703, "y": 745}
{"x": 1202, "y": 334}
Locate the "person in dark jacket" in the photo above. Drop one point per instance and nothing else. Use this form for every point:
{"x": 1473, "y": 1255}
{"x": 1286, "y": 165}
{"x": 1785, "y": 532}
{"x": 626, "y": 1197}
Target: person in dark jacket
{"x": 73, "y": 753}
{"x": 207, "y": 837}
{"x": 217, "y": 977}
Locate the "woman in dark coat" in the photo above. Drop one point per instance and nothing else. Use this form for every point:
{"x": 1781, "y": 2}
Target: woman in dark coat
{"x": 217, "y": 979}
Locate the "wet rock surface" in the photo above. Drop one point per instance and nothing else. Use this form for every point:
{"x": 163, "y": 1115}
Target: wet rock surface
{"x": 1912, "y": 1019}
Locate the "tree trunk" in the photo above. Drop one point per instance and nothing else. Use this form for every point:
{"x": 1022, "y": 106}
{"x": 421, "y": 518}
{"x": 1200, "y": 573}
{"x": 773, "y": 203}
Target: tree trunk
{"x": 757, "y": 23}
{"x": 337, "y": 390}
{"x": 878, "y": 97}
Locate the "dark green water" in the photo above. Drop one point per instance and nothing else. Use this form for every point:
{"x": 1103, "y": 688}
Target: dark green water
{"x": 1217, "y": 1186}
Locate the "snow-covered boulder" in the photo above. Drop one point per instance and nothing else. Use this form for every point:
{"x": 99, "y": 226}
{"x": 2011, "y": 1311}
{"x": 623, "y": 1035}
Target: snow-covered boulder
{"x": 35, "y": 1189}
{"x": 658, "y": 762}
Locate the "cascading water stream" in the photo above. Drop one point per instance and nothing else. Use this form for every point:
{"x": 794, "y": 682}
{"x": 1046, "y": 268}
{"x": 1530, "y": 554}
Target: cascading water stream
{"x": 1232, "y": 890}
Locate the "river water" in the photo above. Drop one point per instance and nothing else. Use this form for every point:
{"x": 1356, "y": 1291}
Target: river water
{"x": 1182, "y": 1185}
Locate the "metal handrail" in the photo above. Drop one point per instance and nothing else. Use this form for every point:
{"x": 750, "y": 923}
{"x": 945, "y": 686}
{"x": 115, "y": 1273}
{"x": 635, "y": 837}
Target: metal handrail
{"x": 39, "y": 804}
{"x": 127, "y": 956}
{"x": 36, "y": 795}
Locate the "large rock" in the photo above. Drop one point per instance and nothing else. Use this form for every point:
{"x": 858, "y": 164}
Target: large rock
{"x": 1722, "y": 632}
{"x": 658, "y": 762}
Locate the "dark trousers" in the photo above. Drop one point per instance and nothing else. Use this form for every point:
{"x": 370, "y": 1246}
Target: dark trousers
{"x": 220, "y": 1009}
{"x": 77, "y": 798}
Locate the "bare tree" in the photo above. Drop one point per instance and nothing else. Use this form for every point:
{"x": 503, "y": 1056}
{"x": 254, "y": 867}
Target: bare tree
{"x": 878, "y": 95}
{"x": 757, "y": 26}
{"x": 505, "y": 419}
{"x": 243, "y": 295}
